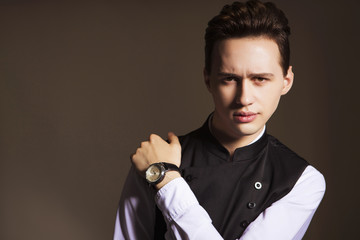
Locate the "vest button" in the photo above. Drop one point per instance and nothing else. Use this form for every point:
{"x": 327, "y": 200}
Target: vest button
{"x": 251, "y": 205}
{"x": 244, "y": 224}
{"x": 188, "y": 178}
{"x": 258, "y": 185}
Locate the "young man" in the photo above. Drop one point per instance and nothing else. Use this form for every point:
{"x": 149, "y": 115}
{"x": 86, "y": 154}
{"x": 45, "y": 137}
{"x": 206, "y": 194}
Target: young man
{"x": 228, "y": 179}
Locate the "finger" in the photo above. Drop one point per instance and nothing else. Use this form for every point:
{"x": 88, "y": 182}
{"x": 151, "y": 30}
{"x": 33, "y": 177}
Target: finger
{"x": 136, "y": 154}
{"x": 132, "y": 157}
{"x": 144, "y": 144}
{"x": 173, "y": 139}
{"x": 153, "y": 137}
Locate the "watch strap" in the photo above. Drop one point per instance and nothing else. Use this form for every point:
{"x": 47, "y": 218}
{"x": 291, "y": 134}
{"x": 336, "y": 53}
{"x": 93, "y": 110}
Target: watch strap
{"x": 170, "y": 167}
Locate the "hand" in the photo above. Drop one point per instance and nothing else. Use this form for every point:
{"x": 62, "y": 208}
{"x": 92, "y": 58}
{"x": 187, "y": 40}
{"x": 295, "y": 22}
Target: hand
{"x": 157, "y": 150}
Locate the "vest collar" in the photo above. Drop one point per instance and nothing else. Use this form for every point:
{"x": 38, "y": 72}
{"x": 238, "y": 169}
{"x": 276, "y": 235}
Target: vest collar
{"x": 248, "y": 152}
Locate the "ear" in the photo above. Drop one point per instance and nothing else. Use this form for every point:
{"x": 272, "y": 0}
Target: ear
{"x": 207, "y": 79}
{"x": 288, "y": 81}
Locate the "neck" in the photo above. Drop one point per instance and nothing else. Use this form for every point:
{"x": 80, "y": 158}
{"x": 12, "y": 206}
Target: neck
{"x": 229, "y": 141}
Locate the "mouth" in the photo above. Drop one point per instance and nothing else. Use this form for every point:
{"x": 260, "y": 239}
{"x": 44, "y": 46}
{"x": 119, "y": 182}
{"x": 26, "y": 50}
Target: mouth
{"x": 244, "y": 117}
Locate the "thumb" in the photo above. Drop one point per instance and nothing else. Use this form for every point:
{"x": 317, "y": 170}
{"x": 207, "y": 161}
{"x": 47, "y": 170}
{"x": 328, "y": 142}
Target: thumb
{"x": 173, "y": 139}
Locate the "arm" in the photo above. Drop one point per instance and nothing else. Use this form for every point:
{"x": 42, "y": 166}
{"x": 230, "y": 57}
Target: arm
{"x": 287, "y": 218}
{"x": 135, "y": 216}
{"x": 185, "y": 218}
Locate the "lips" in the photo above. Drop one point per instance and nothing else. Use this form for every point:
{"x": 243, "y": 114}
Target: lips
{"x": 244, "y": 117}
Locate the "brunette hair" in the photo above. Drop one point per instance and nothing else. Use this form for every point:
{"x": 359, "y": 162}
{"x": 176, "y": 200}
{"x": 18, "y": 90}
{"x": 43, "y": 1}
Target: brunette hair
{"x": 249, "y": 19}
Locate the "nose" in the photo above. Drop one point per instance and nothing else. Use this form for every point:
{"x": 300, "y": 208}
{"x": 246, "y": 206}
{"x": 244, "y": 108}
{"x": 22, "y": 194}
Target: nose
{"x": 245, "y": 93}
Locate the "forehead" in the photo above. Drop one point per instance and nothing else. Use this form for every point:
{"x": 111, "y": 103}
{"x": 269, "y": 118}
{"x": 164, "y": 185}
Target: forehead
{"x": 250, "y": 53}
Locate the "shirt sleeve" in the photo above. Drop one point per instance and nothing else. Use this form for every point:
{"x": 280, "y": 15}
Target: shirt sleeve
{"x": 185, "y": 218}
{"x": 288, "y": 218}
{"x": 135, "y": 218}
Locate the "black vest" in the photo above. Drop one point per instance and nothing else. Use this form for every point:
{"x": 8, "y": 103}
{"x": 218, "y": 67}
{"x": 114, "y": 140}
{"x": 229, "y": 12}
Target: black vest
{"x": 234, "y": 192}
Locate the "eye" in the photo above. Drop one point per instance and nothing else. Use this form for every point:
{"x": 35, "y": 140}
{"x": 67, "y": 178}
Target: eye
{"x": 230, "y": 78}
{"x": 260, "y": 79}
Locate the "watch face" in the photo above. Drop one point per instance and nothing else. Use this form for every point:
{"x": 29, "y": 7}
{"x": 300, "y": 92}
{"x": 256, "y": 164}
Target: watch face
{"x": 153, "y": 173}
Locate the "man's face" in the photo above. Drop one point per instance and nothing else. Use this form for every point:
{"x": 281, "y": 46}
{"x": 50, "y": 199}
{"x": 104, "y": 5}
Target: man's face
{"x": 246, "y": 82}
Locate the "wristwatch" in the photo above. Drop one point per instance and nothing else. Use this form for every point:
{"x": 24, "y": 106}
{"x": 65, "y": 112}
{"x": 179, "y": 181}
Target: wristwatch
{"x": 156, "y": 172}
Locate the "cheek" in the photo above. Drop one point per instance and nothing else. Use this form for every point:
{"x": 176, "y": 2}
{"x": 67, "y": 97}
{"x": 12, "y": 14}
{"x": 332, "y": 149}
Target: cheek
{"x": 224, "y": 95}
{"x": 271, "y": 103}
{"x": 273, "y": 91}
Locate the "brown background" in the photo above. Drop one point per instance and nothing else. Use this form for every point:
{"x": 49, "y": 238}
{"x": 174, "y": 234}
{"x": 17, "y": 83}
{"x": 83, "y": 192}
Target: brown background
{"x": 83, "y": 82}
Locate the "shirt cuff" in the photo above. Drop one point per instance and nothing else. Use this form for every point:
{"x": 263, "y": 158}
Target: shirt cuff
{"x": 175, "y": 198}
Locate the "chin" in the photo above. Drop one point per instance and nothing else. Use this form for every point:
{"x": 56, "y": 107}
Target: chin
{"x": 247, "y": 130}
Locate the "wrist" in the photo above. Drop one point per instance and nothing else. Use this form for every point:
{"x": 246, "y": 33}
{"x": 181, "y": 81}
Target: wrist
{"x": 169, "y": 176}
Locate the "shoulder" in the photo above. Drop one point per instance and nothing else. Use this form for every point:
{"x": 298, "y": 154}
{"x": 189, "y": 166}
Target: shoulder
{"x": 192, "y": 137}
{"x": 278, "y": 146}
{"x": 283, "y": 154}
{"x": 309, "y": 189}
{"x": 312, "y": 180}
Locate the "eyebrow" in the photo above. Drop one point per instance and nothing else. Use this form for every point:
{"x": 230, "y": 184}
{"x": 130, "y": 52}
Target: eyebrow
{"x": 250, "y": 75}
{"x": 225, "y": 74}
{"x": 266, "y": 75}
